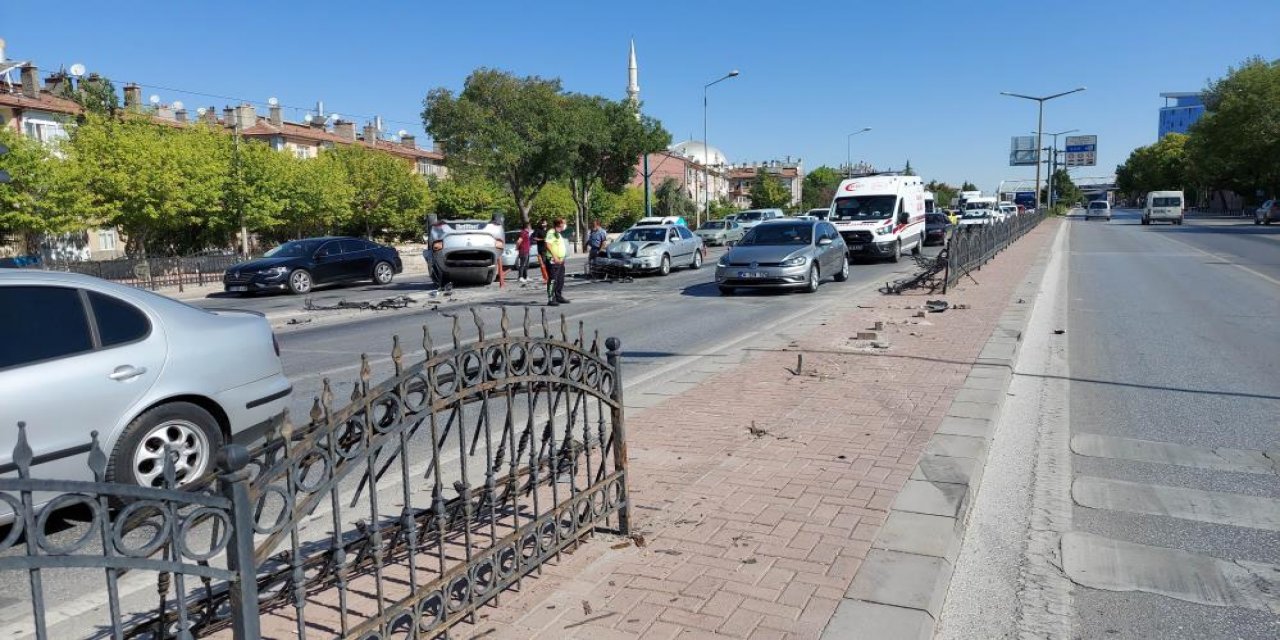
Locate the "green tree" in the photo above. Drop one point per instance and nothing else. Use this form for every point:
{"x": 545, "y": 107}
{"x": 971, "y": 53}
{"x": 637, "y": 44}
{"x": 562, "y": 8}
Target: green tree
{"x": 514, "y": 130}
{"x": 465, "y": 195}
{"x": 619, "y": 211}
{"x": 670, "y": 199}
{"x": 719, "y": 209}
{"x": 968, "y": 186}
{"x": 95, "y": 94}
{"x": 1156, "y": 167}
{"x": 1064, "y": 186}
{"x": 819, "y": 187}
{"x": 606, "y": 139}
{"x": 908, "y": 171}
{"x": 554, "y": 201}
{"x": 44, "y": 195}
{"x": 942, "y": 192}
{"x": 318, "y": 198}
{"x": 1236, "y": 143}
{"x": 387, "y": 199}
{"x": 768, "y": 192}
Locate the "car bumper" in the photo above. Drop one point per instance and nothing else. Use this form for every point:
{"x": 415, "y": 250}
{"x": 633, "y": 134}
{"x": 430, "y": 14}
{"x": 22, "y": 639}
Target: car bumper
{"x": 770, "y": 277}
{"x": 1155, "y": 215}
{"x": 250, "y": 405}
{"x": 872, "y": 249}
{"x": 256, "y": 283}
{"x": 936, "y": 235}
{"x": 647, "y": 263}
{"x": 710, "y": 239}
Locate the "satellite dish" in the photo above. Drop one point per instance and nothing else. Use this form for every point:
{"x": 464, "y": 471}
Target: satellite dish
{"x": 273, "y": 102}
{"x": 77, "y": 69}
{"x": 155, "y": 99}
{"x": 306, "y": 118}
{"x": 402, "y": 133}
{"x": 177, "y": 105}
{"x": 201, "y": 111}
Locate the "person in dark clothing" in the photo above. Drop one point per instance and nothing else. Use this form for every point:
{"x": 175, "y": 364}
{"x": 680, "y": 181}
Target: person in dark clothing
{"x": 523, "y": 245}
{"x": 595, "y": 242}
{"x": 539, "y": 240}
{"x": 557, "y": 250}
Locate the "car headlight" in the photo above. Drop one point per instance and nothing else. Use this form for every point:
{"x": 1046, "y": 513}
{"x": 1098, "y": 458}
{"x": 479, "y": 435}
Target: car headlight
{"x": 798, "y": 261}
{"x": 724, "y": 260}
{"x": 884, "y": 231}
{"x": 276, "y": 271}
{"x": 648, "y": 251}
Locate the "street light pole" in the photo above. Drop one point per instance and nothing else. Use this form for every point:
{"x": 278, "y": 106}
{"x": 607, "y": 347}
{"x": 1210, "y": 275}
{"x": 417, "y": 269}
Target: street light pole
{"x": 706, "y": 150}
{"x": 848, "y": 154}
{"x": 1053, "y": 161}
{"x": 1040, "y": 126}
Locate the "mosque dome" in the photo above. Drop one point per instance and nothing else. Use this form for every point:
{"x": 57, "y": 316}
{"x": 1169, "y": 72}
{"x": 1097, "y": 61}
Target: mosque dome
{"x": 703, "y": 154}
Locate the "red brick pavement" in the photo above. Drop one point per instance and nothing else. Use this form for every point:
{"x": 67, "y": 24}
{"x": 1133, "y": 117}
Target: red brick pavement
{"x": 758, "y": 536}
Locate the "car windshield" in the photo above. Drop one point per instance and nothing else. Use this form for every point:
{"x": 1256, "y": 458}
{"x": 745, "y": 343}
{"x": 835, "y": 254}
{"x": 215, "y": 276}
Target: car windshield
{"x": 779, "y": 234}
{"x": 985, "y": 206}
{"x": 295, "y": 249}
{"x": 652, "y": 234}
{"x": 864, "y": 208}
{"x": 977, "y": 213}
{"x": 749, "y": 216}
{"x": 1166, "y": 202}
{"x": 712, "y": 224}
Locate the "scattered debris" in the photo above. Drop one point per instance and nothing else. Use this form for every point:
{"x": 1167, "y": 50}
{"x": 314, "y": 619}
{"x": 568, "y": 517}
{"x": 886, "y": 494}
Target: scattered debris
{"x": 639, "y": 540}
{"x": 879, "y": 326}
{"x": 879, "y": 344}
{"x": 841, "y": 457}
{"x": 1021, "y": 301}
{"x": 755, "y": 431}
{"x": 935, "y": 306}
{"x": 1058, "y": 332}
{"x": 586, "y": 608}
{"x": 298, "y": 321}
{"x": 607, "y": 614}
{"x": 919, "y": 314}
{"x": 961, "y": 306}
{"x": 866, "y": 306}
{"x": 749, "y": 561}
{"x": 668, "y": 552}
{"x": 867, "y": 335}
{"x": 799, "y": 365}
{"x": 398, "y": 302}
{"x": 620, "y": 545}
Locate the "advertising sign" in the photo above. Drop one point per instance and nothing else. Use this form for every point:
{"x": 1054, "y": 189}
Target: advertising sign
{"x": 1025, "y": 198}
{"x": 1082, "y": 151}
{"x": 1022, "y": 151}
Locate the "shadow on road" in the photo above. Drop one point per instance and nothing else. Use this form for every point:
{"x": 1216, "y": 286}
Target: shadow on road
{"x": 1246, "y": 228}
{"x": 711, "y": 290}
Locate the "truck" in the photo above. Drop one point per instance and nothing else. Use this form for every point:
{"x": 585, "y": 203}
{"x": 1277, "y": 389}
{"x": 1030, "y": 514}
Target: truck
{"x": 880, "y": 216}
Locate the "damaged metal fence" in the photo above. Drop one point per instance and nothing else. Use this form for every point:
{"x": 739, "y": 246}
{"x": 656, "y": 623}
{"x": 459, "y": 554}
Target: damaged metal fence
{"x": 967, "y": 248}
{"x": 397, "y": 514}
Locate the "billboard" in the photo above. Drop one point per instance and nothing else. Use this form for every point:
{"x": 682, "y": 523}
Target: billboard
{"x": 1022, "y": 151}
{"x": 1025, "y": 198}
{"x": 1082, "y": 151}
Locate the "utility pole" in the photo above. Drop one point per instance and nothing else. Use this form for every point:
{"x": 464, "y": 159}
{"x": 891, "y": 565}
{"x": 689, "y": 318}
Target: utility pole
{"x": 706, "y": 150}
{"x": 1040, "y": 127}
{"x": 239, "y": 191}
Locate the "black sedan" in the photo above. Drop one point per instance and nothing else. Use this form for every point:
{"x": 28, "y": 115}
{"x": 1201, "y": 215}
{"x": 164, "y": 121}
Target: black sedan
{"x": 937, "y": 227}
{"x": 300, "y": 265}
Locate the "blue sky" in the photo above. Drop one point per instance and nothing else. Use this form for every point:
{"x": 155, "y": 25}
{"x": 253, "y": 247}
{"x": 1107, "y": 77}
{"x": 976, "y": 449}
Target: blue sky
{"x": 924, "y": 74}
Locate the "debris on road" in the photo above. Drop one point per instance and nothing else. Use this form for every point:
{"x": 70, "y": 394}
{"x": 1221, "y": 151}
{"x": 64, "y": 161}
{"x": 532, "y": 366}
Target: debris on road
{"x": 935, "y": 306}
{"x": 867, "y": 335}
{"x": 398, "y": 302}
{"x": 757, "y": 432}
{"x": 298, "y": 321}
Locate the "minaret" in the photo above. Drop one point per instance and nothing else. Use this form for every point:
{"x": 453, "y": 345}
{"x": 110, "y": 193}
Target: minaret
{"x": 633, "y": 78}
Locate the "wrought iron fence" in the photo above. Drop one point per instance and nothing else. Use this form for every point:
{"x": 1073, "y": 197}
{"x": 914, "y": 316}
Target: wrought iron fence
{"x": 146, "y": 273}
{"x": 400, "y": 512}
{"x": 970, "y": 247}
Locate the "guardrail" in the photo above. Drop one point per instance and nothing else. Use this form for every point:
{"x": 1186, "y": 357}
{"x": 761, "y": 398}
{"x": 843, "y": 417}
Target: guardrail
{"x": 972, "y": 246}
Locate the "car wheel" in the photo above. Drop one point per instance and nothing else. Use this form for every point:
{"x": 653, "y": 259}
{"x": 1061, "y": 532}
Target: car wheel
{"x": 193, "y": 437}
{"x": 383, "y": 272}
{"x": 300, "y": 282}
{"x": 665, "y": 269}
{"x": 1256, "y": 220}
{"x": 814, "y": 280}
{"x": 915, "y": 251}
{"x": 844, "y": 271}
{"x": 726, "y": 291}
{"x": 897, "y": 252}
{"x": 697, "y": 259}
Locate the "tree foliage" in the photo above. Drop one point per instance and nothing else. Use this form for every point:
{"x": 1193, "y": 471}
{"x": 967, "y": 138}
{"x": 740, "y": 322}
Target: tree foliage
{"x": 943, "y": 193}
{"x": 1064, "y": 187}
{"x": 1236, "y": 143}
{"x": 1157, "y": 167}
{"x": 819, "y": 187}
{"x": 768, "y": 192}
{"x": 468, "y": 195}
{"x": 44, "y": 195}
{"x": 968, "y": 186}
{"x": 386, "y": 197}
{"x": 670, "y": 199}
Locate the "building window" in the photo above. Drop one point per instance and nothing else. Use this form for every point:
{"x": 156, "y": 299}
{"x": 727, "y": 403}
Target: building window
{"x": 44, "y": 131}
{"x": 107, "y": 239}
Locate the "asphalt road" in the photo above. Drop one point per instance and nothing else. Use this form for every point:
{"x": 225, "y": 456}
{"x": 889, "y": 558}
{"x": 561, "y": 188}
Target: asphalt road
{"x": 666, "y": 324}
{"x": 1133, "y": 488}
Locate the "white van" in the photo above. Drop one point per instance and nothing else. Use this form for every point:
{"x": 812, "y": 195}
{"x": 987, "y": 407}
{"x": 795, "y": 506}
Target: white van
{"x": 1164, "y": 205}
{"x": 880, "y": 216}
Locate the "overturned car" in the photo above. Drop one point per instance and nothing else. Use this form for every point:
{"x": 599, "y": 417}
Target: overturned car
{"x": 463, "y": 251}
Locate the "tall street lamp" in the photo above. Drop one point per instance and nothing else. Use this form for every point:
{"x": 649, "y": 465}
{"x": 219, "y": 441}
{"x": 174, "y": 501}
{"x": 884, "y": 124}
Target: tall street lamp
{"x": 1053, "y": 159}
{"x": 1040, "y": 126}
{"x": 848, "y": 155}
{"x": 706, "y": 150}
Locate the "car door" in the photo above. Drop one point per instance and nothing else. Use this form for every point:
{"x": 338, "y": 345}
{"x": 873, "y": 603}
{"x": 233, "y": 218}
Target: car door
{"x": 357, "y": 259}
{"x": 328, "y": 263}
{"x": 73, "y": 362}
{"x": 689, "y": 241}
{"x": 826, "y": 255}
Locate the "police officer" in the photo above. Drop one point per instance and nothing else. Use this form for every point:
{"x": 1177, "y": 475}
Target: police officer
{"x": 557, "y": 249}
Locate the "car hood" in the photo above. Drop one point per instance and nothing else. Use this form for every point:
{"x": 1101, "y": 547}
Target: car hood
{"x": 764, "y": 253}
{"x": 629, "y": 247}
{"x": 262, "y": 264}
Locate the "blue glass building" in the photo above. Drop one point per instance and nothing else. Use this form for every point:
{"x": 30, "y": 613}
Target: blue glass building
{"x": 1177, "y": 117}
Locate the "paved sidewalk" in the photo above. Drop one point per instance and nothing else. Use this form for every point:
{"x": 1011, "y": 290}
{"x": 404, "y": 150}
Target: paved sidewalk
{"x": 757, "y": 493}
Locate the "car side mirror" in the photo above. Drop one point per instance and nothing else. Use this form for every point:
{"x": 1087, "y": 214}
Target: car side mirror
{"x": 823, "y": 242}
{"x": 904, "y": 217}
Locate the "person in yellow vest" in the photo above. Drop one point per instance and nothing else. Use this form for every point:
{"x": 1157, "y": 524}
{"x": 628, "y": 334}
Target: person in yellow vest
{"x": 557, "y": 251}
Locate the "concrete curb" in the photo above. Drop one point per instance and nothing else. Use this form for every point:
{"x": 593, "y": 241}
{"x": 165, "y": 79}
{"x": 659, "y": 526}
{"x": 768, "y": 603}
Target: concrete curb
{"x": 900, "y": 588}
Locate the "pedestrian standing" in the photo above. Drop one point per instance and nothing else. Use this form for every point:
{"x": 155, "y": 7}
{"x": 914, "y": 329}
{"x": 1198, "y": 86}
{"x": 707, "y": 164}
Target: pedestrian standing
{"x": 539, "y": 240}
{"x": 556, "y": 252}
{"x": 522, "y": 251}
{"x": 595, "y": 242}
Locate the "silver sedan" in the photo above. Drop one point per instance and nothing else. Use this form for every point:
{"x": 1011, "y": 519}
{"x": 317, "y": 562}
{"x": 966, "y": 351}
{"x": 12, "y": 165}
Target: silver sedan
{"x": 720, "y": 232}
{"x": 82, "y": 355}
{"x": 785, "y": 254}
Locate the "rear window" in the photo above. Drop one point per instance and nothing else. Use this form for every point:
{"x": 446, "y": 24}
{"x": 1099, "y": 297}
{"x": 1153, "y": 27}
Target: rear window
{"x": 1097, "y": 205}
{"x": 1166, "y": 202}
{"x": 118, "y": 321}
{"x": 936, "y": 218}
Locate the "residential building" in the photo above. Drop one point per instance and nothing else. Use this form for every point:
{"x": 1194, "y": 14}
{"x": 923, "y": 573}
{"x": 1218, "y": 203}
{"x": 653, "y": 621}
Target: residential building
{"x": 1178, "y": 117}
{"x": 686, "y": 164}
{"x": 742, "y": 177}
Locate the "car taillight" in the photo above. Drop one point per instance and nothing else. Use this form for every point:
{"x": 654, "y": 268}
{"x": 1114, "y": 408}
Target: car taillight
{"x": 275, "y": 344}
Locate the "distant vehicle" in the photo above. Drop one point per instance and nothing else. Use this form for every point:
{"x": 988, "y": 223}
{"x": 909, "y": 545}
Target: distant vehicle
{"x": 464, "y": 251}
{"x": 511, "y": 253}
{"x": 1098, "y": 209}
{"x": 964, "y": 196}
{"x": 1007, "y": 209}
{"x": 1164, "y": 205}
{"x": 788, "y": 254}
{"x": 300, "y": 265}
{"x": 82, "y": 354}
{"x": 982, "y": 203}
{"x": 1269, "y": 212}
{"x": 821, "y": 213}
{"x": 975, "y": 217}
{"x": 754, "y": 217}
{"x": 653, "y": 248}
{"x": 937, "y": 227}
{"x": 648, "y": 222}
{"x": 930, "y": 205}
{"x": 880, "y": 216}
{"x": 720, "y": 232}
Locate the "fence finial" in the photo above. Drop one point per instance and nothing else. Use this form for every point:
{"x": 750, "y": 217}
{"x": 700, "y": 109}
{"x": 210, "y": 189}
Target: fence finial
{"x": 97, "y": 459}
{"x": 397, "y": 355}
{"x": 475, "y": 316}
{"x": 504, "y": 323}
{"x": 427, "y": 345}
{"x": 457, "y": 334}
{"x": 22, "y": 454}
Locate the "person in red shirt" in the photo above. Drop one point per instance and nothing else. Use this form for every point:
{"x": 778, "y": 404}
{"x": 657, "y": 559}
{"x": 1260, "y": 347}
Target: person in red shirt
{"x": 522, "y": 251}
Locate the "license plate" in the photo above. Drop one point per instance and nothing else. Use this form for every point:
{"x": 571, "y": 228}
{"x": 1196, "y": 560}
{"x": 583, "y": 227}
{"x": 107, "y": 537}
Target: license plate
{"x": 751, "y": 274}
{"x": 237, "y": 289}
{"x": 855, "y": 247}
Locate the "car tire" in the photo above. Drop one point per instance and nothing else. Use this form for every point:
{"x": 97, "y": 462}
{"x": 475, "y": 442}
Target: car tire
{"x": 815, "y": 279}
{"x": 915, "y": 251}
{"x": 665, "y": 269}
{"x": 300, "y": 282}
{"x": 726, "y": 291}
{"x": 137, "y": 456}
{"x": 843, "y": 275}
{"x": 1256, "y": 221}
{"x": 383, "y": 273}
{"x": 697, "y": 259}
{"x": 897, "y": 252}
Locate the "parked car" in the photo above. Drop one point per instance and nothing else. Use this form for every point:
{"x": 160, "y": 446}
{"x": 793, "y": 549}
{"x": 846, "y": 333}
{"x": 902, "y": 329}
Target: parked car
{"x": 720, "y": 232}
{"x": 300, "y": 265}
{"x": 1269, "y": 212}
{"x": 821, "y": 213}
{"x": 510, "y": 252}
{"x": 754, "y": 217}
{"x": 1098, "y": 209}
{"x": 464, "y": 251}
{"x": 654, "y": 248}
{"x": 937, "y": 227}
{"x": 83, "y": 355}
{"x": 787, "y": 254}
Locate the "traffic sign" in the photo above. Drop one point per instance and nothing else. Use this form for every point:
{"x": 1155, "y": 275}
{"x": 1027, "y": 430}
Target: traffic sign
{"x": 1022, "y": 151}
{"x": 1082, "y": 151}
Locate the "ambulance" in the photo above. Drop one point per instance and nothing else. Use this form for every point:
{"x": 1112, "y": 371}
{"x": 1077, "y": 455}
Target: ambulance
{"x": 880, "y": 216}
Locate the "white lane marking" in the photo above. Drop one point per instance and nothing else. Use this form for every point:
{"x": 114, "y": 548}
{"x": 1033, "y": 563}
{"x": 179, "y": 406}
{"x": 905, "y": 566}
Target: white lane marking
{"x": 1176, "y": 502}
{"x": 1220, "y": 459}
{"x": 1222, "y": 258}
{"x": 1114, "y": 565}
